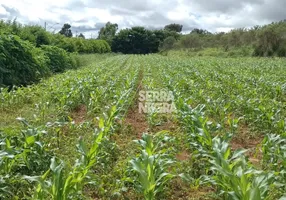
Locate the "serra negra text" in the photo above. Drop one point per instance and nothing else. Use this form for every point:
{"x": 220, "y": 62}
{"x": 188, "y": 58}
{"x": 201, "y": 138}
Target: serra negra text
{"x": 156, "y": 101}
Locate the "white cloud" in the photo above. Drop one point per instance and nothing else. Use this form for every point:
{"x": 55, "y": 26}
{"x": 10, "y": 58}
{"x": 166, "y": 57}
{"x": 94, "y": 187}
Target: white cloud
{"x": 88, "y": 15}
{"x": 3, "y": 11}
{"x": 102, "y": 15}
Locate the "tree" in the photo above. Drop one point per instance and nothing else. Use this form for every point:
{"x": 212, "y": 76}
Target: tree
{"x": 108, "y": 32}
{"x": 200, "y": 31}
{"x": 136, "y": 40}
{"x": 66, "y": 30}
{"x": 168, "y": 43}
{"x": 191, "y": 41}
{"x": 174, "y": 27}
{"x": 81, "y": 36}
{"x": 270, "y": 42}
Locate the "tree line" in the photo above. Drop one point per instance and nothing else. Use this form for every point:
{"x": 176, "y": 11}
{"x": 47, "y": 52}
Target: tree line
{"x": 138, "y": 40}
{"x": 267, "y": 40}
{"x": 29, "y": 53}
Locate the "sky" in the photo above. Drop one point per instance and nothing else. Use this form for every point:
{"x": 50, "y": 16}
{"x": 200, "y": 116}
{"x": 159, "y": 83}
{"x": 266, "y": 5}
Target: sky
{"x": 88, "y": 16}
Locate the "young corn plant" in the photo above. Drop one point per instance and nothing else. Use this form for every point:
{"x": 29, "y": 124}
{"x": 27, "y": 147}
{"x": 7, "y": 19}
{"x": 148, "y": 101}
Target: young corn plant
{"x": 199, "y": 129}
{"x": 274, "y": 158}
{"x": 63, "y": 185}
{"x": 152, "y": 118}
{"x": 234, "y": 176}
{"x": 151, "y": 167}
{"x": 274, "y": 152}
{"x": 19, "y": 156}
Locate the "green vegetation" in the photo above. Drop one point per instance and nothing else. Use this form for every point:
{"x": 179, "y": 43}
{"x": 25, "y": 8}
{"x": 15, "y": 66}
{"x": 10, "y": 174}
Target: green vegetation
{"x": 79, "y": 134}
{"x": 108, "y": 32}
{"x": 138, "y": 40}
{"x": 38, "y": 36}
{"x": 151, "y": 167}
{"x": 267, "y": 40}
{"x": 59, "y": 59}
{"x": 260, "y": 41}
{"x": 29, "y": 53}
{"x": 75, "y": 138}
{"x": 55, "y": 111}
{"x": 21, "y": 63}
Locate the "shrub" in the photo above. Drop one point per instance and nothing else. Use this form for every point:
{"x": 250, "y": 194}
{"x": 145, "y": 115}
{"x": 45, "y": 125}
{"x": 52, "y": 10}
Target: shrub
{"x": 63, "y": 42}
{"x": 107, "y": 47}
{"x": 59, "y": 59}
{"x": 168, "y": 44}
{"x": 74, "y": 60}
{"x": 80, "y": 45}
{"x": 20, "y": 62}
{"x": 91, "y": 46}
{"x": 36, "y": 35}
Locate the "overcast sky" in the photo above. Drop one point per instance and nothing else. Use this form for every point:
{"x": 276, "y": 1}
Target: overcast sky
{"x": 88, "y": 16}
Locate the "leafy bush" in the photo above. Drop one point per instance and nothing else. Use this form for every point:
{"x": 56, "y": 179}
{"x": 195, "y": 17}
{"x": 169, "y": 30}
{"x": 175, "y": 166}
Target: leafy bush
{"x": 81, "y": 45}
{"x": 39, "y": 36}
{"x": 20, "y": 62}
{"x": 168, "y": 43}
{"x": 63, "y": 42}
{"x": 267, "y": 40}
{"x": 74, "y": 60}
{"x": 107, "y": 48}
{"x": 91, "y": 46}
{"x": 10, "y": 27}
{"x": 59, "y": 59}
{"x": 36, "y": 35}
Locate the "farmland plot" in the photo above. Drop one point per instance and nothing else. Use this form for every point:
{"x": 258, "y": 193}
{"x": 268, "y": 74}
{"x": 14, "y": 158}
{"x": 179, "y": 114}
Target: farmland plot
{"x": 86, "y": 134}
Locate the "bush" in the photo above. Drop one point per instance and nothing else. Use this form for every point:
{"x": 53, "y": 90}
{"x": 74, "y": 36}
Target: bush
{"x": 167, "y": 44}
{"x": 74, "y": 60}
{"x": 80, "y": 45}
{"x": 281, "y": 52}
{"x": 107, "y": 48}
{"x": 20, "y": 62}
{"x": 271, "y": 40}
{"x": 59, "y": 59}
{"x": 36, "y": 35}
{"x": 91, "y": 46}
{"x": 63, "y": 42}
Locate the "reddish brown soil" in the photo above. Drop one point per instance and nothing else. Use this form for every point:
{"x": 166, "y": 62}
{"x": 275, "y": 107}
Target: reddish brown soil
{"x": 183, "y": 191}
{"x": 245, "y": 144}
{"x": 137, "y": 121}
{"x": 166, "y": 126}
{"x": 244, "y": 141}
{"x": 184, "y": 155}
{"x": 79, "y": 114}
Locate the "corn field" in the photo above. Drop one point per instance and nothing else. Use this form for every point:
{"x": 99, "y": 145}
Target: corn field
{"x": 79, "y": 135}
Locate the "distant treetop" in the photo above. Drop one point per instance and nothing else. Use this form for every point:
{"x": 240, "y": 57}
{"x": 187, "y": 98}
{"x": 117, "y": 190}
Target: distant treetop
{"x": 66, "y": 30}
{"x": 174, "y": 27}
